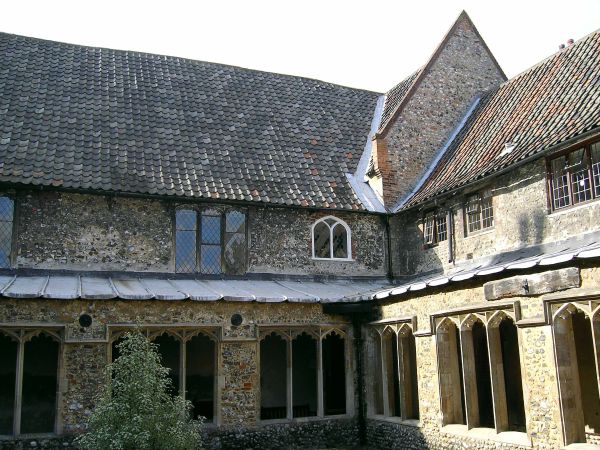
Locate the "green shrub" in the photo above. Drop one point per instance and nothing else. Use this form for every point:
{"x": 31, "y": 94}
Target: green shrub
{"x": 134, "y": 410}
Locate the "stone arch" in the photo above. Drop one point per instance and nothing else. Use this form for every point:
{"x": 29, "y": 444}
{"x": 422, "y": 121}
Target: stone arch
{"x": 324, "y": 234}
{"x": 575, "y": 336}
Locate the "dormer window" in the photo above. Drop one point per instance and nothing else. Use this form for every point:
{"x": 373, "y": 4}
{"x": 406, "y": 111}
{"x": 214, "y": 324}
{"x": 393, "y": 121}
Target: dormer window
{"x": 6, "y": 230}
{"x": 331, "y": 239}
{"x": 210, "y": 241}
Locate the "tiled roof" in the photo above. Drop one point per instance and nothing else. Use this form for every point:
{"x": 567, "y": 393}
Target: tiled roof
{"x": 554, "y": 101}
{"x": 99, "y": 119}
{"x": 395, "y": 96}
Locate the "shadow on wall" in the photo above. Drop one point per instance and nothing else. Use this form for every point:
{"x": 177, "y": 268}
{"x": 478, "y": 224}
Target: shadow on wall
{"x": 531, "y": 227}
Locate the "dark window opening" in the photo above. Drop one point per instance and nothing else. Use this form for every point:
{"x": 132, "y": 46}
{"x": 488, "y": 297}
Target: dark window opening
{"x": 321, "y": 240}
{"x": 273, "y": 377}
{"x": 482, "y": 376}
{"x": 377, "y": 376}
{"x": 304, "y": 376}
{"x": 340, "y": 241}
{"x": 115, "y": 350}
{"x": 586, "y": 365}
{"x": 170, "y": 356}
{"x": 411, "y": 386}
{"x": 390, "y": 346}
{"x": 40, "y": 370}
{"x": 334, "y": 375}
{"x": 6, "y": 230}
{"x": 460, "y": 375}
{"x": 200, "y": 375}
{"x": 511, "y": 363}
{"x": 8, "y": 373}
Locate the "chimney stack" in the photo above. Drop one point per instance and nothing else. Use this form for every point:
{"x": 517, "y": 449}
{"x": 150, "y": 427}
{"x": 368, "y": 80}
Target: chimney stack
{"x": 570, "y": 42}
{"x": 561, "y": 47}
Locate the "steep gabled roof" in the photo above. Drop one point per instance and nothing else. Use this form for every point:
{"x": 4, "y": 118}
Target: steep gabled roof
{"x": 552, "y": 102}
{"x": 402, "y": 92}
{"x": 108, "y": 120}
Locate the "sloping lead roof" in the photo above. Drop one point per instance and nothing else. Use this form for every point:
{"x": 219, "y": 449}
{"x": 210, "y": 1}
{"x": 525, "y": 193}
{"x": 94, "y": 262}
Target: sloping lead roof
{"x": 89, "y": 287}
{"x": 108, "y": 120}
{"x": 552, "y": 102}
{"x": 581, "y": 247}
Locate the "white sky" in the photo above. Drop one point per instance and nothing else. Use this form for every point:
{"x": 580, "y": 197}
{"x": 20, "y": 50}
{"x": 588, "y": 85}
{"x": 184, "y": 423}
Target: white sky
{"x": 370, "y": 44}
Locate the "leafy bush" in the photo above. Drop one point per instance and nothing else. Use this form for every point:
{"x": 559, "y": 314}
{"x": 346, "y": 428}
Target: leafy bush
{"x": 135, "y": 410}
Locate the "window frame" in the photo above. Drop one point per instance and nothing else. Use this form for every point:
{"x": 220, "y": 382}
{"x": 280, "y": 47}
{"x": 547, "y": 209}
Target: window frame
{"x": 182, "y": 334}
{"x": 13, "y": 240}
{"x": 483, "y": 195}
{"x": 21, "y": 336}
{"x": 435, "y": 215}
{"x": 586, "y": 146}
{"x": 222, "y": 230}
{"x": 338, "y": 221}
{"x": 319, "y": 333}
{"x": 401, "y": 328}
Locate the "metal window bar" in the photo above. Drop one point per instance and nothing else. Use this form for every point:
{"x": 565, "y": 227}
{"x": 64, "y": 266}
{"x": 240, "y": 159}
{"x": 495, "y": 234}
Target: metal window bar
{"x": 560, "y": 183}
{"x": 428, "y": 231}
{"x": 186, "y": 224}
{"x": 474, "y": 213}
{"x": 580, "y": 176}
{"x": 595, "y": 163}
{"x": 487, "y": 211}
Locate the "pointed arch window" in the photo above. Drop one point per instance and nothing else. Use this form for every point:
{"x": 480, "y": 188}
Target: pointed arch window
{"x": 331, "y": 239}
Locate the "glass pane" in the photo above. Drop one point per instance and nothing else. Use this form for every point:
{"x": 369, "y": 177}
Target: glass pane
{"x": 580, "y": 176}
{"x": 560, "y": 187}
{"x": 200, "y": 375}
{"x": 6, "y": 226}
{"x": 428, "y": 230}
{"x": 211, "y": 229}
{"x": 596, "y": 167}
{"x": 168, "y": 349}
{"x": 487, "y": 212}
{"x": 185, "y": 219}
{"x": 210, "y": 259}
{"x": 340, "y": 241}
{"x": 40, "y": 367}
{"x": 235, "y": 222}
{"x": 442, "y": 228}
{"x": 185, "y": 251}
{"x": 8, "y": 356}
{"x": 234, "y": 254}
{"x": 321, "y": 240}
{"x": 6, "y": 209}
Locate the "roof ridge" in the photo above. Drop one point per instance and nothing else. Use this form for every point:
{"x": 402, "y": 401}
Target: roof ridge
{"x": 195, "y": 61}
{"x": 549, "y": 57}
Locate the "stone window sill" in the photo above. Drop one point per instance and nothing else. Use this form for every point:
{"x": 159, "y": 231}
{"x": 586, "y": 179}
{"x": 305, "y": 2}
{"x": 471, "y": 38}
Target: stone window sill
{"x": 508, "y": 437}
{"x": 573, "y": 208}
{"x": 314, "y": 258}
{"x": 408, "y": 422}
{"x": 10, "y": 437}
{"x": 480, "y": 233}
{"x": 303, "y": 419}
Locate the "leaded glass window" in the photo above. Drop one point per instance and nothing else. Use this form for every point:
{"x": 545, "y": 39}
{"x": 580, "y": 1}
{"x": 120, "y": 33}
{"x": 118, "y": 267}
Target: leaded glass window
{"x": 6, "y": 230}
{"x": 331, "y": 239}
{"x": 575, "y": 176}
{"x": 210, "y": 242}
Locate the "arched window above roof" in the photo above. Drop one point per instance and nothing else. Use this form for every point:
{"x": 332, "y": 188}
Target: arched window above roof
{"x": 331, "y": 239}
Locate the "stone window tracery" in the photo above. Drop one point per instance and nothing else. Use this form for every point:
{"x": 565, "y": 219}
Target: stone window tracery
{"x": 394, "y": 391}
{"x": 210, "y": 241}
{"x": 479, "y": 370}
{"x": 331, "y": 239}
{"x": 190, "y": 355}
{"x": 576, "y": 332}
{"x": 29, "y": 381}
{"x": 303, "y": 373}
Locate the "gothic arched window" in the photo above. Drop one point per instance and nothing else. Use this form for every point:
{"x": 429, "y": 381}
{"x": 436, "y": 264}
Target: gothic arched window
{"x": 331, "y": 239}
